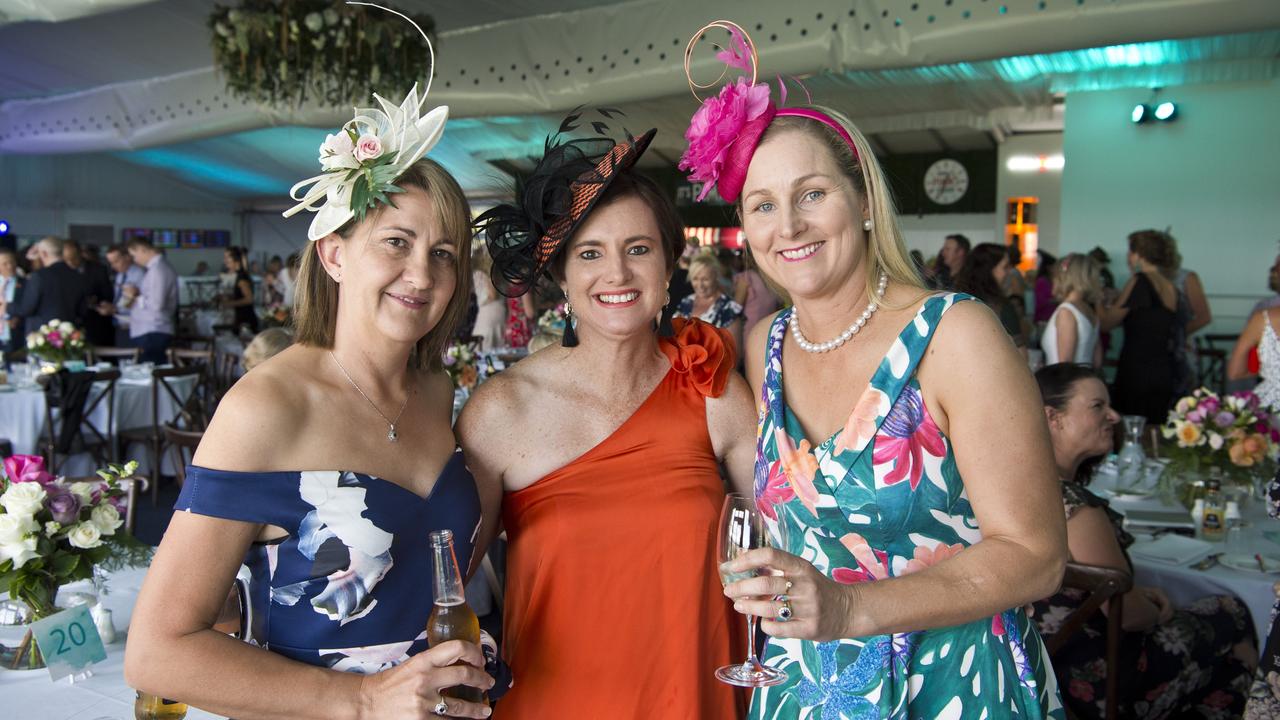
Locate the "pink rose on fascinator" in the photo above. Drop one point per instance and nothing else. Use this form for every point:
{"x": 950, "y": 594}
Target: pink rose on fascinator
{"x": 26, "y": 468}
{"x": 368, "y": 147}
{"x": 717, "y": 124}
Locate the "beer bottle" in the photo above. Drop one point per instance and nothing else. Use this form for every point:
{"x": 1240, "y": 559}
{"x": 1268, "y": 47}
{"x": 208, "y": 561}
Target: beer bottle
{"x": 1213, "y": 526}
{"x": 150, "y": 707}
{"x": 451, "y": 617}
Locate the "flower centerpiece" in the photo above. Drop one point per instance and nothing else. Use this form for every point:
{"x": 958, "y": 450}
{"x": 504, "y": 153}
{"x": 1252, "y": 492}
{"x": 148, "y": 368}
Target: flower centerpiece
{"x": 1233, "y": 434}
{"x": 277, "y": 315}
{"x": 57, "y": 342}
{"x": 53, "y": 532}
{"x": 553, "y": 321}
{"x": 285, "y": 52}
{"x": 460, "y": 361}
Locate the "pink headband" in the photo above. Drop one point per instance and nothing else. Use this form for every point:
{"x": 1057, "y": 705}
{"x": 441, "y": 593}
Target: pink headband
{"x": 726, "y": 129}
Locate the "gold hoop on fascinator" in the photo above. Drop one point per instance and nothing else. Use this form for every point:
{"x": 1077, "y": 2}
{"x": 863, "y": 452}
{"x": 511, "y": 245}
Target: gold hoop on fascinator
{"x": 735, "y": 56}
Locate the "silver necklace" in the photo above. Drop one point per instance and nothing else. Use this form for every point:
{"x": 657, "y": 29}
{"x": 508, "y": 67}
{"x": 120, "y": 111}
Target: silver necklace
{"x": 843, "y": 337}
{"x": 391, "y": 424}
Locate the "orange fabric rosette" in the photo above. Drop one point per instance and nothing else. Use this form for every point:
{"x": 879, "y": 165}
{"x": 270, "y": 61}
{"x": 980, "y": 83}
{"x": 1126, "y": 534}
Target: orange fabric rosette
{"x": 701, "y": 351}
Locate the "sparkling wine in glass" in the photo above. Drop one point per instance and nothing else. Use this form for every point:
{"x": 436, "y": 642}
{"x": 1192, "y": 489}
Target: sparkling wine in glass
{"x": 742, "y": 529}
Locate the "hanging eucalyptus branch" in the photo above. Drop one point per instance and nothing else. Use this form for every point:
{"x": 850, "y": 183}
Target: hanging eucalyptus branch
{"x": 286, "y": 52}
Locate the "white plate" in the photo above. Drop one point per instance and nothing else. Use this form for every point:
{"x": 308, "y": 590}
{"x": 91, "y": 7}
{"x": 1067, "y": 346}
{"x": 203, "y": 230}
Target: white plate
{"x": 1247, "y": 563}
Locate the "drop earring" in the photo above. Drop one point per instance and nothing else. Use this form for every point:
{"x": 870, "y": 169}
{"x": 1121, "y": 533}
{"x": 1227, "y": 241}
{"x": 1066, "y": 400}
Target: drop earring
{"x": 570, "y": 338}
{"x": 665, "y": 328}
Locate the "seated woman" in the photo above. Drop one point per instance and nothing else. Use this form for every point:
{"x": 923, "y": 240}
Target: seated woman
{"x": 1192, "y": 662}
{"x": 323, "y": 471}
{"x": 709, "y": 302}
{"x": 608, "y": 451}
{"x": 266, "y": 345}
{"x": 1260, "y": 333}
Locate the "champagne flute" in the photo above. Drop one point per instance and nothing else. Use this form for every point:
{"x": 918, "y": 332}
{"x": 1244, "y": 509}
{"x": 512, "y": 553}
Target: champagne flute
{"x": 742, "y": 529}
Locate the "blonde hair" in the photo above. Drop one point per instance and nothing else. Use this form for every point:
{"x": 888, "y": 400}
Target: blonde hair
{"x": 1078, "y": 272}
{"x": 265, "y": 345}
{"x": 886, "y": 251}
{"x": 708, "y": 261}
{"x": 316, "y": 303}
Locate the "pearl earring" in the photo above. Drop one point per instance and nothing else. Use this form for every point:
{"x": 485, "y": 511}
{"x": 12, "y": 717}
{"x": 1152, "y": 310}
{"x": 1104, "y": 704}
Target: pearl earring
{"x": 866, "y": 225}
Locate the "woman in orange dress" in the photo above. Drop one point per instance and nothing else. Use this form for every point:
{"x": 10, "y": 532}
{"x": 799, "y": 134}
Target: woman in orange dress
{"x": 608, "y": 451}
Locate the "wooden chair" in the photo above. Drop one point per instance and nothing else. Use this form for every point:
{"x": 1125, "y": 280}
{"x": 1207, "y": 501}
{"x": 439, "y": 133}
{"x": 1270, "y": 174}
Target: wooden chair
{"x": 1105, "y": 586}
{"x": 225, "y": 365}
{"x": 115, "y": 354}
{"x": 190, "y": 414}
{"x": 86, "y": 436}
{"x": 203, "y": 359}
{"x": 183, "y": 443}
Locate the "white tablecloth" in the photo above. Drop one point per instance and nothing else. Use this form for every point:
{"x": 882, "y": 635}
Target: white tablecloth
{"x": 105, "y": 696}
{"x": 22, "y": 420}
{"x": 1184, "y": 584}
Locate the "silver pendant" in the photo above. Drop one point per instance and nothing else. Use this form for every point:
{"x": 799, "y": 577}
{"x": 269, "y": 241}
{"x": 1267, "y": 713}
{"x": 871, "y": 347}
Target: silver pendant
{"x": 391, "y": 434}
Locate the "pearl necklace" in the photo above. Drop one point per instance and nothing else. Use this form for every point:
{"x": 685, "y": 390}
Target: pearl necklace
{"x": 843, "y": 337}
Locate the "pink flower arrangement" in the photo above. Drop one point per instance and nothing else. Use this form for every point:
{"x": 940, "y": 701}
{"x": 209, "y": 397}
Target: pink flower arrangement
{"x": 740, "y": 112}
{"x": 1233, "y": 432}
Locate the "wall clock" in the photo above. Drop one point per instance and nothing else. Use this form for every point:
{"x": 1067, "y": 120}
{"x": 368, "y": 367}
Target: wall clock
{"x": 946, "y": 181}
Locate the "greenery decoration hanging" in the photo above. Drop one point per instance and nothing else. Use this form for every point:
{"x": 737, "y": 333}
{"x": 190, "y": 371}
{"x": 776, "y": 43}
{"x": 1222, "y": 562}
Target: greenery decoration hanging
{"x": 287, "y": 52}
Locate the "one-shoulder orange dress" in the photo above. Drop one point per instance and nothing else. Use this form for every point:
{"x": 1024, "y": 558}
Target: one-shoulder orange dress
{"x": 614, "y": 607}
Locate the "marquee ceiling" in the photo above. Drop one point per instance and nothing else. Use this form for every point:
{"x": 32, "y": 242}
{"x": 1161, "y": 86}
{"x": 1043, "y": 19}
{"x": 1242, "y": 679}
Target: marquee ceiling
{"x": 136, "y": 78}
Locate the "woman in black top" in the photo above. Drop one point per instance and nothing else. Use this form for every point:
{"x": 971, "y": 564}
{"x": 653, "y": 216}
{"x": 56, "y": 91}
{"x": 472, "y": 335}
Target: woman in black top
{"x": 241, "y": 299}
{"x": 983, "y": 277}
{"x": 1147, "y": 372}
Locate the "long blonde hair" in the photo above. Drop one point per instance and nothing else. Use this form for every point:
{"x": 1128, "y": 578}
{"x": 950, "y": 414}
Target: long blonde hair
{"x": 316, "y": 303}
{"x": 887, "y": 252}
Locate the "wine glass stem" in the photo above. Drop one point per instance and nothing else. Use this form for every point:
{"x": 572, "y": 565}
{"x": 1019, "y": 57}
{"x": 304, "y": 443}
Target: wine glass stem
{"x": 752, "y": 660}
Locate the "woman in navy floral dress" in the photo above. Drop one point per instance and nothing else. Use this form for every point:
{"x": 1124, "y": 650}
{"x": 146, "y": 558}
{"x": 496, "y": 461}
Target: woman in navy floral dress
{"x": 709, "y": 302}
{"x": 324, "y": 471}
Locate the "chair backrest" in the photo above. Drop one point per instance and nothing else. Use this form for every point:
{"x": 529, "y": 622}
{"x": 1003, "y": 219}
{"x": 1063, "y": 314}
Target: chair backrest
{"x": 1103, "y": 586}
{"x": 114, "y": 353}
{"x": 184, "y": 444}
{"x": 168, "y": 382}
{"x": 76, "y": 396}
{"x": 203, "y": 359}
{"x": 225, "y": 367}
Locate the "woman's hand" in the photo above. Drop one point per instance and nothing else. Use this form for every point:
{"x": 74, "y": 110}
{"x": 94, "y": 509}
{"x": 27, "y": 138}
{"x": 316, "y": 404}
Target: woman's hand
{"x": 412, "y": 689}
{"x": 1163, "y": 605}
{"x": 821, "y": 609}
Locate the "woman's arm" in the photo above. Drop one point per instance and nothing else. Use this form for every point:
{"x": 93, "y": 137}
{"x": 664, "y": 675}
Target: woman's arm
{"x": 174, "y": 651}
{"x": 1092, "y": 541}
{"x": 989, "y": 406}
{"x": 1238, "y": 364}
{"x": 527, "y": 304}
{"x": 244, "y": 297}
{"x": 1200, "y": 313}
{"x": 1064, "y": 326}
{"x": 741, "y": 288}
{"x": 475, "y": 430}
{"x": 1110, "y": 316}
{"x": 735, "y": 330}
{"x": 731, "y": 423}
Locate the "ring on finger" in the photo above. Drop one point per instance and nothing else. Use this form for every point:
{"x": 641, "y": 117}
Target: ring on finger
{"x": 784, "y": 613}
{"x": 441, "y": 708}
{"x": 787, "y": 589}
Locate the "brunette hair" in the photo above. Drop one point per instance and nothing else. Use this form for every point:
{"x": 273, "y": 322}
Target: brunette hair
{"x": 316, "y": 301}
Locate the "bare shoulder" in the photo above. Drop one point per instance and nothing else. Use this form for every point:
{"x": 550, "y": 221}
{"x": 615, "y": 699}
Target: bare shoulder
{"x": 501, "y": 399}
{"x": 258, "y": 418}
{"x": 970, "y": 330}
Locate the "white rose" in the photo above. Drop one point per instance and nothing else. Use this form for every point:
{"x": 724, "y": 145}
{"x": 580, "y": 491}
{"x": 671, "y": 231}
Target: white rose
{"x": 52, "y": 527}
{"x": 26, "y": 498}
{"x": 13, "y": 528}
{"x": 19, "y": 552}
{"x": 82, "y": 490}
{"x": 337, "y": 151}
{"x": 85, "y": 536}
{"x": 1215, "y": 441}
{"x": 106, "y": 518}
{"x": 66, "y": 328}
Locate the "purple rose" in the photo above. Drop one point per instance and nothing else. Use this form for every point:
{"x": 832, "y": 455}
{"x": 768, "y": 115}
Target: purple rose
{"x": 1224, "y": 419}
{"x": 450, "y": 361}
{"x": 1197, "y": 416}
{"x": 1210, "y": 405}
{"x": 64, "y": 506}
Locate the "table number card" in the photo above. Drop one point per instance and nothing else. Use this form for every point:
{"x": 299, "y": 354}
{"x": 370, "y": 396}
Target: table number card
{"x": 69, "y": 641}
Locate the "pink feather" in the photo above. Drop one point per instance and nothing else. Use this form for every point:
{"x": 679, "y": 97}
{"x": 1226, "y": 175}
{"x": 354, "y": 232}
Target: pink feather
{"x": 736, "y": 55}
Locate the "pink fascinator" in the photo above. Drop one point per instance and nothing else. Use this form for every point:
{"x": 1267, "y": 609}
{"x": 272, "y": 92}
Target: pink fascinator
{"x": 726, "y": 129}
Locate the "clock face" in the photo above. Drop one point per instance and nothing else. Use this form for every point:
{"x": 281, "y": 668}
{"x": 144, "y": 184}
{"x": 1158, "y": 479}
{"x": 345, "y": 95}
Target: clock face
{"x": 946, "y": 181}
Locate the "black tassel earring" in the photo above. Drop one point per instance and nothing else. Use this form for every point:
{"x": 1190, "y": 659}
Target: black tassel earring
{"x": 570, "y": 338}
{"x": 665, "y": 329}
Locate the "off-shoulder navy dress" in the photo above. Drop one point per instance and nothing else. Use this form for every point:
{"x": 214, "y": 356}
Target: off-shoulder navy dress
{"x": 350, "y": 587}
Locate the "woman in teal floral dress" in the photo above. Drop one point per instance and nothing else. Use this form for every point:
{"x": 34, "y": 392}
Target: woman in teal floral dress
{"x": 903, "y": 461}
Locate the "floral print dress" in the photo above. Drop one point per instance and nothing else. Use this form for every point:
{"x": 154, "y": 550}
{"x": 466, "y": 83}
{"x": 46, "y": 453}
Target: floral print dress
{"x": 349, "y": 588}
{"x": 879, "y": 499}
{"x": 1185, "y": 667}
{"x": 721, "y": 314}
